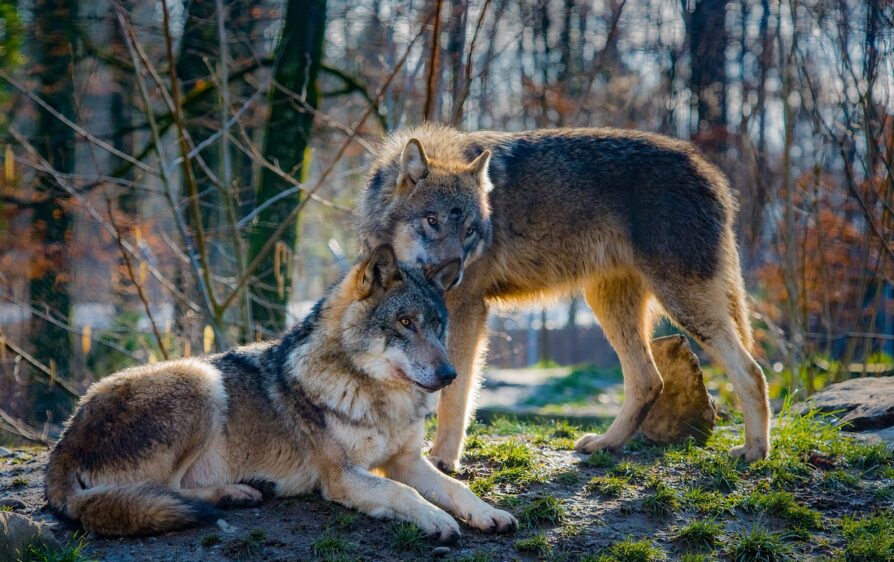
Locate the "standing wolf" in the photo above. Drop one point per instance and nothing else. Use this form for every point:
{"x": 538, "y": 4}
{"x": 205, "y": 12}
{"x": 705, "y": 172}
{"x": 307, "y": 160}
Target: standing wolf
{"x": 639, "y": 223}
{"x": 158, "y": 447}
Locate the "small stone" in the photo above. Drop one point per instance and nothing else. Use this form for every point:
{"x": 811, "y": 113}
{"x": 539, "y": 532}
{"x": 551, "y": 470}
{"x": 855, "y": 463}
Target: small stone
{"x": 440, "y": 551}
{"x": 5, "y": 453}
{"x": 226, "y": 527}
{"x": 17, "y": 532}
{"x": 684, "y": 409}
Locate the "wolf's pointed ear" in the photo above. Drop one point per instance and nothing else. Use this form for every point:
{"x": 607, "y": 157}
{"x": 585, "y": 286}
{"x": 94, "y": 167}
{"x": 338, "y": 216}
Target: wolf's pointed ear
{"x": 479, "y": 168}
{"x": 414, "y": 165}
{"x": 379, "y": 271}
{"x": 445, "y": 275}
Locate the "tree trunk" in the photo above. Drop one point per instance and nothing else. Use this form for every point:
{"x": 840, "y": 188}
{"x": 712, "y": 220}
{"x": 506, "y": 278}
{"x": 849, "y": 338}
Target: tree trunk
{"x": 286, "y": 143}
{"x": 707, "y": 48}
{"x": 54, "y": 37}
{"x": 456, "y": 44}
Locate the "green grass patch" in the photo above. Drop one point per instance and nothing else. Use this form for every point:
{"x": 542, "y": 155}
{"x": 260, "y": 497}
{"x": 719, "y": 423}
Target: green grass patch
{"x": 661, "y": 500}
{"x": 868, "y": 539}
{"x": 719, "y": 470}
{"x": 474, "y": 442}
{"x": 514, "y": 462}
{"x": 69, "y": 551}
{"x": 545, "y": 509}
{"x": 210, "y": 540}
{"x": 783, "y": 505}
{"x": 630, "y": 550}
{"x": 518, "y": 476}
{"x": 710, "y": 502}
{"x": 345, "y": 520}
{"x": 247, "y": 547}
{"x": 784, "y": 472}
{"x": 505, "y": 425}
{"x": 330, "y": 546}
{"x": 884, "y": 493}
{"x": 797, "y": 435}
{"x": 631, "y": 470}
{"x": 868, "y": 457}
{"x": 600, "y": 459}
{"x": 506, "y": 454}
{"x": 407, "y": 537}
{"x": 609, "y": 486}
{"x": 566, "y": 477}
{"x": 698, "y": 535}
{"x": 18, "y": 483}
{"x": 536, "y": 545}
{"x": 558, "y": 434}
{"x": 758, "y": 545}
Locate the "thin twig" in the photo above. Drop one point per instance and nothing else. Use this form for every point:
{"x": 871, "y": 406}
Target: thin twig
{"x": 74, "y": 126}
{"x": 61, "y": 181}
{"x": 51, "y": 377}
{"x": 133, "y": 278}
{"x": 457, "y": 113}
{"x": 600, "y": 62}
{"x": 141, "y": 61}
{"x": 287, "y": 222}
{"x": 19, "y": 429}
{"x": 188, "y": 175}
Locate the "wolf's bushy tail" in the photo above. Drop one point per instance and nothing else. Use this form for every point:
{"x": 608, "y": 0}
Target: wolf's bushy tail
{"x": 126, "y": 509}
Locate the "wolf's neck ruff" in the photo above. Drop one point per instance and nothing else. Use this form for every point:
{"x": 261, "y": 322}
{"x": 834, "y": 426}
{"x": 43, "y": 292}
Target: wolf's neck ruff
{"x": 316, "y": 377}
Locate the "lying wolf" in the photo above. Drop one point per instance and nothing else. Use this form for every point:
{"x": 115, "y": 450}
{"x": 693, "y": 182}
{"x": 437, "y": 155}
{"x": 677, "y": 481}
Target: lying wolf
{"x": 159, "y": 447}
{"x": 638, "y": 223}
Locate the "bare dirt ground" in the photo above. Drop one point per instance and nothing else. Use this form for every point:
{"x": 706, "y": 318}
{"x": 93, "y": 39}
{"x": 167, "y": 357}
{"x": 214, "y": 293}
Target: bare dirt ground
{"x": 821, "y": 496}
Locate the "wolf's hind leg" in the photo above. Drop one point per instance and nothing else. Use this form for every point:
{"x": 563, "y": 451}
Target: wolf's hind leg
{"x": 466, "y": 342}
{"x": 713, "y": 312}
{"x": 621, "y": 301}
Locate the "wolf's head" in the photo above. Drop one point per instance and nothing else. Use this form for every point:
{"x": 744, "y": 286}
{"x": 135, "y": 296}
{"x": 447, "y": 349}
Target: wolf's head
{"x": 395, "y": 321}
{"x": 432, "y": 212}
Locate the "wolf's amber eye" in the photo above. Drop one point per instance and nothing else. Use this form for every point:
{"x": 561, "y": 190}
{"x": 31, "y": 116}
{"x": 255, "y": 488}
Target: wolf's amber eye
{"x": 471, "y": 230}
{"x": 406, "y": 322}
{"x": 432, "y": 220}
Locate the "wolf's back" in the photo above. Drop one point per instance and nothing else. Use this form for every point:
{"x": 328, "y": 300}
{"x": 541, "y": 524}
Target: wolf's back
{"x": 126, "y": 509}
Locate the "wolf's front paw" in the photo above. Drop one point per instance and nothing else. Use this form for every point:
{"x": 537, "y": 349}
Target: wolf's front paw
{"x": 439, "y": 525}
{"x": 750, "y": 452}
{"x": 591, "y": 442}
{"x": 493, "y": 521}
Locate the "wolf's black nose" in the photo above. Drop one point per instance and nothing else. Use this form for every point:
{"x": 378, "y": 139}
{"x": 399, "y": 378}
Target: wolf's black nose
{"x": 446, "y": 373}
